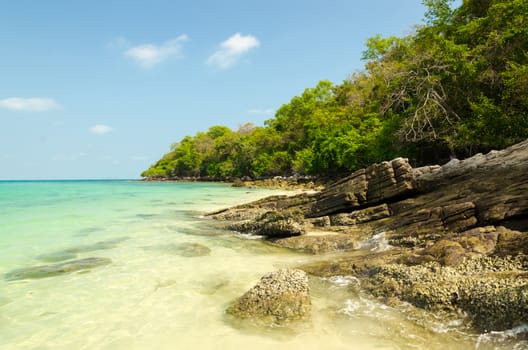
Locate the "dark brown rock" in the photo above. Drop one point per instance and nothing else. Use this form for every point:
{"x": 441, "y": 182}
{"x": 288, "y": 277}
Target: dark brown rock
{"x": 459, "y": 233}
{"x": 360, "y": 216}
{"x": 389, "y": 179}
{"x": 350, "y": 192}
{"x": 273, "y": 224}
{"x": 370, "y": 186}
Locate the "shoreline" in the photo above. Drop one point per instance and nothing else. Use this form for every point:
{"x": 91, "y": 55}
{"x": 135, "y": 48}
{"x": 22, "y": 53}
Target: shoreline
{"x": 441, "y": 238}
{"x": 277, "y": 182}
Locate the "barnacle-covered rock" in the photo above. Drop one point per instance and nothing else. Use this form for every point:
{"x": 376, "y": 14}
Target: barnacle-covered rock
{"x": 278, "y": 297}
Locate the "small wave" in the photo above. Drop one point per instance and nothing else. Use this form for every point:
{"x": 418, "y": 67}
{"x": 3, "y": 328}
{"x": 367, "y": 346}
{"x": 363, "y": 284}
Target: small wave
{"x": 343, "y": 281}
{"x": 446, "y": 327}
{"x": 362, "y": 307}
{"x": 510, "y": 336}
{"x": 249, "y": 236}
{"x": 377, "y": 243}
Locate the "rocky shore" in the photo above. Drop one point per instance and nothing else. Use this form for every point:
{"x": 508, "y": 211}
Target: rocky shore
{"x": 451, "y": 238}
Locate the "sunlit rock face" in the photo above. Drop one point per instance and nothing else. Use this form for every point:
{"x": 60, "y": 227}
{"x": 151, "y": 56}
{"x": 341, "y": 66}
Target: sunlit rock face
{"x": 278, "y": 297}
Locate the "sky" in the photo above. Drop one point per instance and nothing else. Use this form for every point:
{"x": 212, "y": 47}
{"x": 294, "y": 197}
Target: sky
{"x": 100, "y": 89}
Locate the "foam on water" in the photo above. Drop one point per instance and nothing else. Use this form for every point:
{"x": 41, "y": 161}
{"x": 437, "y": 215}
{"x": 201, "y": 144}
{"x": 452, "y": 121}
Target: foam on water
{"x": 171, "y": 278}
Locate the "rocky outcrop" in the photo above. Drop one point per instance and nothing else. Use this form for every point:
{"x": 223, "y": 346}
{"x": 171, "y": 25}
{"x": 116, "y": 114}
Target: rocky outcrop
{"x": 254, "y": 210}
{"x": 360, "y": 216}
{"x": 492, "y": 291}
{"x": 370, "y": 186}
{"x": 452, "y": 220}
{"x": 273, "y": 224}
{"x": 416, "y": 207}
{"x": 278, "y": 297}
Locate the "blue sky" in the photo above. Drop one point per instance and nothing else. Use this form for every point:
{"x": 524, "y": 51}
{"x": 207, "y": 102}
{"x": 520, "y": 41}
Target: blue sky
{"x": 100, "y": 89}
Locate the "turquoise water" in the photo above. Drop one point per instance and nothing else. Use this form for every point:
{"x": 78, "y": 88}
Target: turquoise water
{"x": 154, "y": 293}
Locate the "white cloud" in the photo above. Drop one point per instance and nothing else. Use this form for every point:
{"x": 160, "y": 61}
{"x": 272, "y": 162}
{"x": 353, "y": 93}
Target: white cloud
{"x": 149, "y": 55}
{"x": 261, "y": 111}
{"x": 232, "y": 49}
{"x": 100, "y": 129}
{"x": 33, "y": 104}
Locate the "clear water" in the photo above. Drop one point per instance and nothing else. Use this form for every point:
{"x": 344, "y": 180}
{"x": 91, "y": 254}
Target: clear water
{"x": 154, "y": 297}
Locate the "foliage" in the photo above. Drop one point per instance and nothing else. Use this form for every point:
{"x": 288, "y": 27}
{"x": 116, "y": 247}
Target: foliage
{"x": 456, "y": 86}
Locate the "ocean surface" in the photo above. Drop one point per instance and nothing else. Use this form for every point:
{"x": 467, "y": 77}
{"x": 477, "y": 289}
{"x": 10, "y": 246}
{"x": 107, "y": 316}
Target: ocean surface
{"x": 163, "y": 275}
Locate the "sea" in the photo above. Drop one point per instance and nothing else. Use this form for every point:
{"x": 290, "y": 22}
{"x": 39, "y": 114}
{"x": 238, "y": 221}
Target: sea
{"x": 123, "y": 264}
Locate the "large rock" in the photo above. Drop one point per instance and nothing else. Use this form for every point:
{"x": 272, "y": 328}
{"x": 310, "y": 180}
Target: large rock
{"x": 497, "y": 183}
{"x": 278, "y": 297}
{"x": 458, "y": 233}
{"x": 453, "y": 249}
{"x": 274, "y": 224}
{"x": 389, "y": 179}
{"x": 492, "y": 291}
{"x": 253, "y": 210}
{"x": 424, "y": 222}
{"x": 360, "y": 216}
{"x": 348, "y": 193}
{"x": 370, "y": 186}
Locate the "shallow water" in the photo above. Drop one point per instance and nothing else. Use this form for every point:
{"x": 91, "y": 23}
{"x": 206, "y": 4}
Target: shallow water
{"x": 172, "y": 275}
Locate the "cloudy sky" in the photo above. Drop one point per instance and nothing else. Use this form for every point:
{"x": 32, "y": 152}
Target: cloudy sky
{"x": 100, "y": 89}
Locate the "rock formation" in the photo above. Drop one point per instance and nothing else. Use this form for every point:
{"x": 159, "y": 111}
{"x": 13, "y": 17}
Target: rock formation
{"x": 280, "y": 296}
{"x": 435, "y": 218}
{"x": 274, "y": 224}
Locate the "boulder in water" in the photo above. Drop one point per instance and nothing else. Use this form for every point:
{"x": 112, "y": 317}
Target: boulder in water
{"x": 279, "y": 296}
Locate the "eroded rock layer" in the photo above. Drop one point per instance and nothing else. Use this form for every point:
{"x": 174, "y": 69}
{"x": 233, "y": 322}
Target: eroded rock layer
{"x": 445, "y": 225}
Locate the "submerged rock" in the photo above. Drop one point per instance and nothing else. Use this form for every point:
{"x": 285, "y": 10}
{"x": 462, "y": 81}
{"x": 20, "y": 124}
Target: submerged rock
{"x": 189, "y": 250}
{"x": 72, "y": 252}
{"x": 186, "y": 249}
{"x": 44, "y": 271}
{"x": 278, "y": 297}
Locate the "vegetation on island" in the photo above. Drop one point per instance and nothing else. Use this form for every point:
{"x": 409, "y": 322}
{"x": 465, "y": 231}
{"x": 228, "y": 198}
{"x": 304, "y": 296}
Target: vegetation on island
{"x": 455, "y": 87}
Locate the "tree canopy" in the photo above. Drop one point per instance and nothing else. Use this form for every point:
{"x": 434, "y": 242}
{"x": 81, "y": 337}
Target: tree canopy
{"x": 457, "y": 86}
